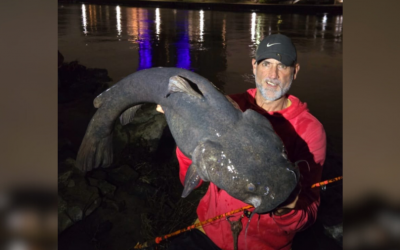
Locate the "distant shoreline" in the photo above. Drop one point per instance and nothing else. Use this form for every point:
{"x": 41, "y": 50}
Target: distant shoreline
{"x": 212, "y": 5}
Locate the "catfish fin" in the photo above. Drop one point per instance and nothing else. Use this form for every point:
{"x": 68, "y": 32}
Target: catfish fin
{"x": 128, "y": 115}
{"x": 180, "y": 84}
{"x": 192, "y": 179}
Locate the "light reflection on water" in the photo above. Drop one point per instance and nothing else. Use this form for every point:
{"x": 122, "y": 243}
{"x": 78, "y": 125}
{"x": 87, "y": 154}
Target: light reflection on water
{"x": 118, "y": 10}
{"x": 158, "y": 21}
{"x": 84, "y": 21}
{"x": 201, "y": 25}
{"x": 215, "y": 44}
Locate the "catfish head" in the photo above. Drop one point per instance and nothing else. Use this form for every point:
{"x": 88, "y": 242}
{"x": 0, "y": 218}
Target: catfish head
{"x": 249, "y": 162}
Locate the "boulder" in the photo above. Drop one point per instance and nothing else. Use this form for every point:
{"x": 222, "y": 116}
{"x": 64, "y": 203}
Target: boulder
{"x": 106, "y": 189}
{"x": 145, "y": 130}
{"x": 121, "y": 175}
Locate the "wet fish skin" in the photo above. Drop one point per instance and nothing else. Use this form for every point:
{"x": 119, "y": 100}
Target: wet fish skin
{"x": 237, "y": 151}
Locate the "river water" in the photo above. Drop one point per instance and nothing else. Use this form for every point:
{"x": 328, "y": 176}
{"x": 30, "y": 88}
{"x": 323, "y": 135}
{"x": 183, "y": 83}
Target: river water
{"x": 215, "y": 44}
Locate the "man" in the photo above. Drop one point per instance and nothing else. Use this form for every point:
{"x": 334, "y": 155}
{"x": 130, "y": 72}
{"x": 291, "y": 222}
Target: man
{"x": 275, "y": 67}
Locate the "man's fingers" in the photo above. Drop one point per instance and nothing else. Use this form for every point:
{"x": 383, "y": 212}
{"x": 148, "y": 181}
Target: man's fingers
{"x": 159, "y": 109}
{"x": 293, "y": 204}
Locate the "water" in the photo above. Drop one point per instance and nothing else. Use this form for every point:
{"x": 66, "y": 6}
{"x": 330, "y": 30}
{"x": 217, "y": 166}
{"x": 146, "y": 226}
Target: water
{"x": 215, "y": 44}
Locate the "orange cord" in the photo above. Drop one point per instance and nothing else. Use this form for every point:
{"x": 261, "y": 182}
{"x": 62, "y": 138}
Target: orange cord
{"x": 324, "y": 183}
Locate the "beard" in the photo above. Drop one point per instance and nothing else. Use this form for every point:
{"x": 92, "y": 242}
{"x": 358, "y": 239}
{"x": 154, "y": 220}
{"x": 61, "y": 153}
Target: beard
{"x": 271, "y": 94}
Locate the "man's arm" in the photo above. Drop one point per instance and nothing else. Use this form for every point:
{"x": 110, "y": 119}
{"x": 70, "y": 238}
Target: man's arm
{"x": 304, "y": 213}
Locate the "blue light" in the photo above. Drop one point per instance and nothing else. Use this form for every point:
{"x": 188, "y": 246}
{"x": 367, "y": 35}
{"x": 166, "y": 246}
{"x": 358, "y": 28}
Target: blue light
{"x": 183, "y": 49}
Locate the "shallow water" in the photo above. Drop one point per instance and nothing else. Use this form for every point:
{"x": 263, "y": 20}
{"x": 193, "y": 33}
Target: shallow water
{"x": 215, "y": 44}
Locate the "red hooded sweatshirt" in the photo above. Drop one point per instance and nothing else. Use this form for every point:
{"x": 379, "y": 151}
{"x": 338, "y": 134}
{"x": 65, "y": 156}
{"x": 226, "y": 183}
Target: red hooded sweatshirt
{"x": 304, "y": 139}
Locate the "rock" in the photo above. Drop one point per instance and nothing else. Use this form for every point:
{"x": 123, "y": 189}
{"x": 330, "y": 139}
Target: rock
{"x": 111, "y": 204}
{"x": 63, "y": 219}
{"x": 77, "y": 199}
{"x": 98, "y": 174}
{"x": 142, "y": 190}
{"x": 63, "y": 176}
{"x": 75, "y": 213}
{"x": 65, "y": 170}
{"x": 145, "y": 130}
{"x": 120, "y": 137}
{"x": 122, "y": 175}
{"x": 106, "y": 189}
{"x": 82, "y": 200}
{"x": 152, "y": 132}
{"x": 64, "y": 222}
{"x": 335, "y": 232}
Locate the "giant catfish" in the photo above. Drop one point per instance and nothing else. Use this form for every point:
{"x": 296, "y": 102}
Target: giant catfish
{"x": 237, "y": 151}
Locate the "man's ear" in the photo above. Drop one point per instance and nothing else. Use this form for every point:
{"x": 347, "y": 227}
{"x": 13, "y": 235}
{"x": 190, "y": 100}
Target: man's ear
{"x": 296, "y": 70}
{"x": 254, "y": 64}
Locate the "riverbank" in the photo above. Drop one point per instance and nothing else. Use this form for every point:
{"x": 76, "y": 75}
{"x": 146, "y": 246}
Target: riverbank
{"x": 336, "y": 9}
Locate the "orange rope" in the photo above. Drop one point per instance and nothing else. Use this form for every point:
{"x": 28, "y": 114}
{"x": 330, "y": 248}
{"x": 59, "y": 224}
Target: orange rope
{"x": 324, "y": 183}
{"x": 159, "y": 239}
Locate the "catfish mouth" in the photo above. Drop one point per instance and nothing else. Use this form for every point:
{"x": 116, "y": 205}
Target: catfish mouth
{"x": 264, "y": 207}
{"x": 261, "y": 209}
{"x": 256, "y": 203}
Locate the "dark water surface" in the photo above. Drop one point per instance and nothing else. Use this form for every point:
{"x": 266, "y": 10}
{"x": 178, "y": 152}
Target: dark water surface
{"x": 215, "y": 44}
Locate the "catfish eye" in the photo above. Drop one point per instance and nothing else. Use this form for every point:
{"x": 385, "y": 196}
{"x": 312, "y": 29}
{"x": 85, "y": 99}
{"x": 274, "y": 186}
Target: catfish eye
{"x": 251, "y": 187}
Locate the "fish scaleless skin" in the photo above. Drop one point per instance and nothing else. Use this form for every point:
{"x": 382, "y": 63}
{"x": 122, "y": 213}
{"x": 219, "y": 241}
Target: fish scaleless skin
{"x": 238, "y": 152}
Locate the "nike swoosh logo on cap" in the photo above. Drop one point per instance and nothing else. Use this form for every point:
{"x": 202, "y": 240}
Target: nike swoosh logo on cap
{"x": 269, "y": 45}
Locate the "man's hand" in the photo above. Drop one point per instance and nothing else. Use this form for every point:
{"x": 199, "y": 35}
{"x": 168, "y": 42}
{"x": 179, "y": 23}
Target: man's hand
{"x": 286, "y": 208}
{"x": 290, "y": 203}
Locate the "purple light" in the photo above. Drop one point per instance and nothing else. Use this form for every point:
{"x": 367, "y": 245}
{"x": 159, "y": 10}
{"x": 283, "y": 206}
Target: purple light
{"x": 183, "y": 49}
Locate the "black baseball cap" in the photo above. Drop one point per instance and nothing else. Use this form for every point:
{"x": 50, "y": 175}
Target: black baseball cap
{"x": 279, "y": 47}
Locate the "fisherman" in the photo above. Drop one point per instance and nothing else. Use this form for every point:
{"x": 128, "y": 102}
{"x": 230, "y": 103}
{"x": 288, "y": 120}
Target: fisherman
{"x": 275, "y": 67}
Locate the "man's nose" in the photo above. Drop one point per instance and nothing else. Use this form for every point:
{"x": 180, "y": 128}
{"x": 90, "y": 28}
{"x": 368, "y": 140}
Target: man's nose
{"x": 273, "y": 72}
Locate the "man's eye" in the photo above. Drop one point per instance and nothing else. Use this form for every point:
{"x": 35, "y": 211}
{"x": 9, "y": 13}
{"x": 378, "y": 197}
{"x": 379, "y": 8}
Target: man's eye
{"x": 281, "y": 66}
{"x": 265, "y": 64}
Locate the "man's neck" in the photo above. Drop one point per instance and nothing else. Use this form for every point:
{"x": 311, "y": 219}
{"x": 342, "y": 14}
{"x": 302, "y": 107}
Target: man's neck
{"x": 271, "y": 106}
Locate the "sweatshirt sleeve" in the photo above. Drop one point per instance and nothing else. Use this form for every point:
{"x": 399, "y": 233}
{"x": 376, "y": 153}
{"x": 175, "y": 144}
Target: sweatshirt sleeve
{"x": 313, "y": 152}
{"x": 184, "y": 164}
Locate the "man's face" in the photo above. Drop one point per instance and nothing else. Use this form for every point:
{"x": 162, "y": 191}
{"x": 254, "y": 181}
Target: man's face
{"x": 273, "y": 78}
